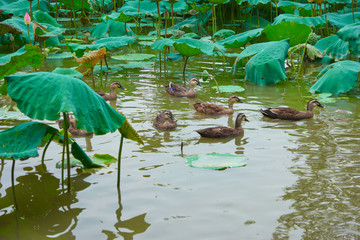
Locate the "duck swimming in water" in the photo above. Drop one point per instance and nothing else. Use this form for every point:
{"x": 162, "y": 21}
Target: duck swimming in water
{"x": 181, "y": 91}
{"x": 214, "y": 109}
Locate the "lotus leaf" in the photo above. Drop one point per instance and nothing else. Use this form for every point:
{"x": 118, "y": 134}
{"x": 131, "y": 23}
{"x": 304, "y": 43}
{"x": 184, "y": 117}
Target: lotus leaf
{"x": 255, "y": 22}
{"x": 110, "y": 43}
{"x": 27, "y": 55}
{"x": 268, "y": 67}
{"x": 255, "y": 2}
{"x": 178, "y": 6}
{"x": 112, "y": 28}
{"x": 201, "y": 8}
{"x": 310, "y": 21}
{"x": 230, "y": 88}
{"x": 334, "y": 47}
{"x": 21, "y": 141}
{"x": 127, "y": 131}
{"x": 241, "y": 39}
{"x": 68, "y": 72}
{"x": 337, "y": 77}
{"x": 98, "y": 159}
{"x": 146, "y": 38}
{"x": 132, "y": 65}
{"x": 56, "y": 56}
{"x": 191, "y": 47}
{"x": 217, "y": 161}
{"x": 7, "y": 28}
{"x": 223, "y": 33}
{"x": 191, "y": 35}
{"x": 311, "y": 51}
{"x": 20, "y": 7}
{"x": 296, "y": 32}
{"x": 44, "y": 95}
{"x": 351, "y": 33}
{"x": 44, "y": 17}
{"x": 304, "y": 9}
{"x": 131, "y": 8}
{"x": 78, "y": 5}
{"x": 117, "y": 16}
{"x": 341, "y": 20}
{"x": 133, "y": 57}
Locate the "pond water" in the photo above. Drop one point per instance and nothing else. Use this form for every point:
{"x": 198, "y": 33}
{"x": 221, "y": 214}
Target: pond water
{"x": 301, "y": 180}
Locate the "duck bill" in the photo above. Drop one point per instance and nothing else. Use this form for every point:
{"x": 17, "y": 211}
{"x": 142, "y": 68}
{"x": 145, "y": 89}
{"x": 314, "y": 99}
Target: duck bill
{"x": 240, "y": 101}
{"x": 200, "y": 85}
{"x": 322, "y": 106}
{"x": 174, "y": 119}
{"x": 246, "y": 120}
{"x": 121, "y": 87}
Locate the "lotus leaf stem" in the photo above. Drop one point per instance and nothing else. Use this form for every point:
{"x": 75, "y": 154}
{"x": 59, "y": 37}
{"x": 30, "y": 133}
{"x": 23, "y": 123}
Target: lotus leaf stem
{"x": 66, "y": 142}
{"x": 114, "y": 5}
{"x": 302, "y": 57}
{"x": 119, "y": 160}
{"x": 46, "y": 147}
{"x": 73, "y": 8}
{"x": 186, "y": 59}
{"x": 13, "y": 182}
{"x": 172, "y": 15}
{"x": 159, "y": 19}
{"x": 29, "y": 34}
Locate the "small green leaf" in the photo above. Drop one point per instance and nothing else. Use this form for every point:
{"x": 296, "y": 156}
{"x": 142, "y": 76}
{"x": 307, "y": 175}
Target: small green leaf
{"x": 133, "y": 57}
{"x": 217, "y": 161}
{"x": 230, "y": 88}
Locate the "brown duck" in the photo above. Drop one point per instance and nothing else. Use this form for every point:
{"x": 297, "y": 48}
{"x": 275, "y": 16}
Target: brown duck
{"x": 181, "y": 91}
{"x": 165, "y": 121}
{"x": 112, "y": 95}
{"x": 223, "y": 132}
{"x": 211, "y": 108}
{"x": 290, "y": 113}
{"x": 72, "y": 127}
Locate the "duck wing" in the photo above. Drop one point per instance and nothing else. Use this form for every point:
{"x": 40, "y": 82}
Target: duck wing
{"x": 101, "y": 93}
{"x": 209, "y": 108}
{"x": 281, "y": 113}
{"x": 219, "y": 132}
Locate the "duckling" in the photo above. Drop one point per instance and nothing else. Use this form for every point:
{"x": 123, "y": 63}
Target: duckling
{"x": 112, "y": 95}
{"x": 223, "y": 132}
{"x": 165, "y": 121}
{"x": 72, "y": 127}
{"x": 290, "y": 113}
{"x": 211, "y": 108}
{"x": 181, "y": 91}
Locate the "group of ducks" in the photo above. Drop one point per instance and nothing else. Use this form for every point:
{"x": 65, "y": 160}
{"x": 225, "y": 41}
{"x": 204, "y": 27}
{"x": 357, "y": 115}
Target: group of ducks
{"x": 166, "y": 121}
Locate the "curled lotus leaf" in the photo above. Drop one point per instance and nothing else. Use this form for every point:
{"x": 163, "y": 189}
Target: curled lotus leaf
{"x": 334, "y": 47}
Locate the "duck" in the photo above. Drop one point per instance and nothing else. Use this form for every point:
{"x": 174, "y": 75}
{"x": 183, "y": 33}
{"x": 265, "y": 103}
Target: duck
{"x": 291, "y": 113}
{"x": 72, "y": 127}
{"x": 112, "y": 95}
{"x": 214, "y": 109}
{"x": 165, "y": 121}
{"x": 181, "y": 91}
{"x": 223, "y": 132}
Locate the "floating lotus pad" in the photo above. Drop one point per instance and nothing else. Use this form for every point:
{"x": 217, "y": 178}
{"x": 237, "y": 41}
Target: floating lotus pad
{"x": 133, "y": 57}
{"x": 230, "y": 88}
{"x": 69, "y": 72}
{"x": 57, "y": 56}
{"x": 216, "y": 161}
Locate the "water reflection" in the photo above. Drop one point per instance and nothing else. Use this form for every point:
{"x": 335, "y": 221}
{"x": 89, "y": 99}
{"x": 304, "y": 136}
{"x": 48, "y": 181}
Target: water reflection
{"x": 127, "y": 228}
{"x": 326, "y": 199}
{"x": 44, "y": 209}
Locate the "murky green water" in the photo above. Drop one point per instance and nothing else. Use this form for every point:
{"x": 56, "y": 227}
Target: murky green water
{"x": 301, "y": 182}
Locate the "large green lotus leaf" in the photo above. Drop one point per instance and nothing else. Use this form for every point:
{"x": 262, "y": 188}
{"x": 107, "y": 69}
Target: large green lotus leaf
{"x": 117, "y": 16}
{"x": 310, "y": 21}
{"x": 296, "y": 32}
{"x": 127, "y": 131}
{"x": 110, "y": 43}
{"x": 161, "y": 43}
{"x": 240, "y": 39}
{"x": 334, "y": 47}
{"x": 341, "y": 20}
{"x": 350, "y": 32}
{"x": 44, "y": 95}
{"x": 216, "y": 161}
{"x": 133, "y": 57}
{"x": 21, "y": 141}
{"x": 44, "y": 17}
{"x": 250, "y": 51}
{"x": 7, "y": 28}
{"x": 191, "y": 47}
{"x": 268, "y": 66}
{"x": 223, "y": 33}
{"x": 78, "y": 5}
{"x": 255, "y": 2}
{"x": 20, "y": 7}
{"x": 68, "y": 72}
{"x": 192, "y": 23}
{"x": 255, "y": 22}
{"x": 27, "y": 55}
{"x": 302, "y": 9}
{"x": 178, "y": 6}
{"x": 112, "y": 28}
{"x": 201, "y": 7}
{"x": 338, "y": 77}
{"x": 131, "y": 8}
